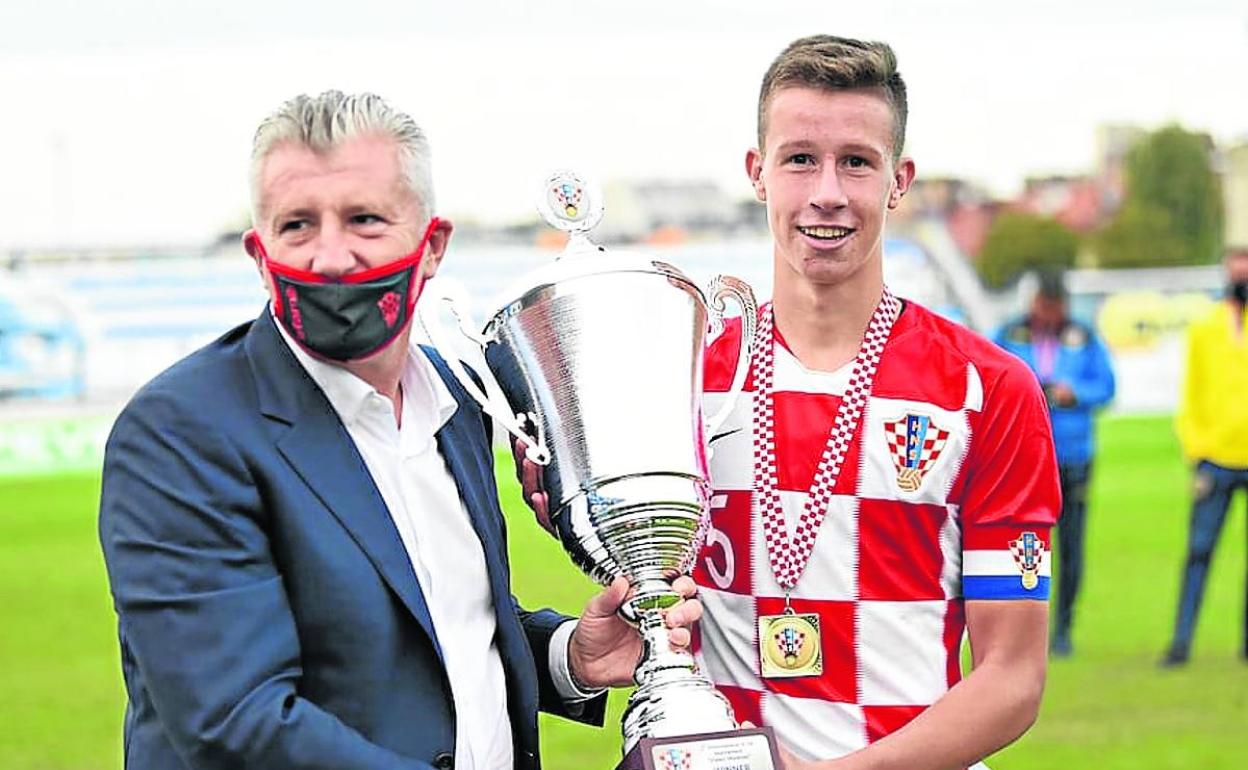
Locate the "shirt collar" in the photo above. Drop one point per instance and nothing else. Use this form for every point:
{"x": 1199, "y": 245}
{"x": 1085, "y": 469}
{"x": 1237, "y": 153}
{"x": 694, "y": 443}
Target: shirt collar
{"x": 420, "y": 375}
{"x": 424, "y": 392}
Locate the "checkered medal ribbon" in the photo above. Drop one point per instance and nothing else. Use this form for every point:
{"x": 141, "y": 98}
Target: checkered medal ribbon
{"x": 789, "y": 557}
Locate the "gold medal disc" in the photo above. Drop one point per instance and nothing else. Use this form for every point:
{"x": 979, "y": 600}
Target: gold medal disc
{"x": 789, "y": 645}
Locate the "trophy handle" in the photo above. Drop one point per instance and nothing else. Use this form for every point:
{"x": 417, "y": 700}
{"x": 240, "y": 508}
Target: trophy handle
{"x": 491, "y": 399}
{"x": 727, "y": 287}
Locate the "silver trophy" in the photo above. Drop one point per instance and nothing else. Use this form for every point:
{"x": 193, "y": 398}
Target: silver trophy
{"x": 595, "y": 365}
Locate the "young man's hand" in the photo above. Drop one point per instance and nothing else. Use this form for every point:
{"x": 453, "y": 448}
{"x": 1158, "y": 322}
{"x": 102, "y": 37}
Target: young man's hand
{"x": 788, "y": 760}
{"x": 529, "y": 474}
{"x": 604, "y": 648}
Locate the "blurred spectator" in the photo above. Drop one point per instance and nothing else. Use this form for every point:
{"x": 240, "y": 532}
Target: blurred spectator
{"x": 1212, "y": 423}
{"x": 1074, "y": 370}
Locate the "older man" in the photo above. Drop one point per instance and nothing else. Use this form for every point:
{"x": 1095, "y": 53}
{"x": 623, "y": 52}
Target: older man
{"x": 300, "y": 522}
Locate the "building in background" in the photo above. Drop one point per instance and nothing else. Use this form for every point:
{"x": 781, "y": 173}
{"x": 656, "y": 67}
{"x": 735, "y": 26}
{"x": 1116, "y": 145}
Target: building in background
{"x": 1235, "y": 193}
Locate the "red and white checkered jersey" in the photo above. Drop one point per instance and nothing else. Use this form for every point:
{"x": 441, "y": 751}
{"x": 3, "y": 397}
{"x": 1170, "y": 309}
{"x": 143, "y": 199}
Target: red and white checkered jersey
{"x": 948, "y": 493}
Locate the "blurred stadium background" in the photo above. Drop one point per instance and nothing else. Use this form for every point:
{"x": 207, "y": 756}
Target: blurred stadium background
{"x": 78, "y": 335}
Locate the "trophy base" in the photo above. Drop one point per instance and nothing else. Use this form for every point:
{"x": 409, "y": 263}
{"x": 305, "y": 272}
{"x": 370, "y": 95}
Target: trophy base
{"x": 751, "y": 749}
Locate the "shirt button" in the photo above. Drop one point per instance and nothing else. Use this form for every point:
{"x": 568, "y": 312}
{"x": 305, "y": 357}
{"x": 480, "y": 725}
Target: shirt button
{"x": 444, "y": 760}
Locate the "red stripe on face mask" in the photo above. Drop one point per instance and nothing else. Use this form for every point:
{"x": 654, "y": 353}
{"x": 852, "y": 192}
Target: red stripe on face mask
{"x": 371, "y": 274}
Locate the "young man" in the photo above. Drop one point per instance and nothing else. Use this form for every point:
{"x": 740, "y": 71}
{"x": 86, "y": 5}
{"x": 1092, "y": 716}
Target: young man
{"x": 1073, "y": 368}
{"x": 887, "y": 480}
{"x": 300, "y": 522}
{"x": 1212, "y": 422}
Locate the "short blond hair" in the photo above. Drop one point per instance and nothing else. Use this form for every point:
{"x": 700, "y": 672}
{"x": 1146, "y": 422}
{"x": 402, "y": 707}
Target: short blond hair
{"x": 837, "y": 64}
{"x": 323, "y": 122}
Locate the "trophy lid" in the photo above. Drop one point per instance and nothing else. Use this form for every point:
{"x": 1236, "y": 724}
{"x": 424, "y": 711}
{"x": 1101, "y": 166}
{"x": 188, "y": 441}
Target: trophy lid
{"x": 573, "y": 204}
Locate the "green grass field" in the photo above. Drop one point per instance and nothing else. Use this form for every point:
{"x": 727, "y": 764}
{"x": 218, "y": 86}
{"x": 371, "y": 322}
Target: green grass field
{"x": 1108, "y": 708}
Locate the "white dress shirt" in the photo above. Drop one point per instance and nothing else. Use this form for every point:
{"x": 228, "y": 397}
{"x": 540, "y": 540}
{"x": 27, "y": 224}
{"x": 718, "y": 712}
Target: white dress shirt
{"x": 444, "y": 550}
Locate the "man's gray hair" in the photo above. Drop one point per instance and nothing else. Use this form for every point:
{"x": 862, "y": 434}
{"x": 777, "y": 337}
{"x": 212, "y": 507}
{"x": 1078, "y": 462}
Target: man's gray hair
{"x": 323, "y": 122}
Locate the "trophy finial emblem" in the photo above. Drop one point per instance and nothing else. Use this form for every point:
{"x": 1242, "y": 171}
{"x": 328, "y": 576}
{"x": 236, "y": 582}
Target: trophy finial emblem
{"x": 570, "y": 203}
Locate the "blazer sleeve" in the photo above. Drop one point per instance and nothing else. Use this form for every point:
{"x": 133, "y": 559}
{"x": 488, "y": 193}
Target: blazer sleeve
{"x": 200, "y": 602}
{"x": 540, "y": 626}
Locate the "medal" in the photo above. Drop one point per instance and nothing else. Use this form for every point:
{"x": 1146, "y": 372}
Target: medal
{"x": 790, "y": 644}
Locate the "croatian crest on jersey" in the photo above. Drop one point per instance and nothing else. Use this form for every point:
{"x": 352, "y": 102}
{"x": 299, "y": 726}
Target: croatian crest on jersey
{"x": 1028, "y": 553}
{"x": 915, "y": 443}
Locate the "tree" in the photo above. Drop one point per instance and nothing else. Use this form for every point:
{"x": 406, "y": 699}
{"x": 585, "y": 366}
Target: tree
{"x": 1172, "y": 211}
{"x": 1141, "y": 235}
{"x": 1018, "y": 242}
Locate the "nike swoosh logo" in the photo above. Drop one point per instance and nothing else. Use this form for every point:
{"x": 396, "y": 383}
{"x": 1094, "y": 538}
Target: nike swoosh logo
{"x": 718, "y": 436}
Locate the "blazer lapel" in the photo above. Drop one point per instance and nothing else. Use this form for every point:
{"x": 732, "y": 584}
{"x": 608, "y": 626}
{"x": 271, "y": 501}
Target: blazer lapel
{"x": 321, "y": 452}
{"x": 462, "y": 442}
{"x": 466, "y": 448}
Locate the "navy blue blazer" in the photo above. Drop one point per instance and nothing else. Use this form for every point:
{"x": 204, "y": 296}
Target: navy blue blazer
{"x": 268, "y": 614}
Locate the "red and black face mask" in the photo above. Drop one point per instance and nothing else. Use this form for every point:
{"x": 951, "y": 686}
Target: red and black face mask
{"x": 348, "y": 317}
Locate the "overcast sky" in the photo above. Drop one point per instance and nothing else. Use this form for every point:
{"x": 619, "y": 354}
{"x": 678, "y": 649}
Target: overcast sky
{"x": 129, "y": 122}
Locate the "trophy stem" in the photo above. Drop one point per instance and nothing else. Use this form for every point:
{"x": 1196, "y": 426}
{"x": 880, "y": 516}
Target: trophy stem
{"x": 657, "y": 654}
{"x": 650, "y": 594}
{"x": 671, "y": 698}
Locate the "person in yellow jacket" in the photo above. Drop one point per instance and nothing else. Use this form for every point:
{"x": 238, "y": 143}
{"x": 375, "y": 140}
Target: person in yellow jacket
{"x": 1212, "y": 423}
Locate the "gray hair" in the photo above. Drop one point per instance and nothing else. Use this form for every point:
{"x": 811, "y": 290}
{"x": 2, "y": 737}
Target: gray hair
{"x": 323, "y": 122}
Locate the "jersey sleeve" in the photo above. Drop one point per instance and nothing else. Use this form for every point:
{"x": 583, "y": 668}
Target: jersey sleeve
{"x": 1012, "y": 495}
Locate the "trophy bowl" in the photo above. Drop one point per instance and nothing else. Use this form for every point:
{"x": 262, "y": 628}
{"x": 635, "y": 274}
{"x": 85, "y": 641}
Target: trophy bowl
{"x": 607, "y": 367}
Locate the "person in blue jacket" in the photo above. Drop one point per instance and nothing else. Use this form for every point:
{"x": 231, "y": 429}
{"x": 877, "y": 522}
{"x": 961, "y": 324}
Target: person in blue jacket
{"x": 1074, "y": 370}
